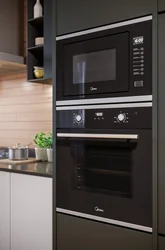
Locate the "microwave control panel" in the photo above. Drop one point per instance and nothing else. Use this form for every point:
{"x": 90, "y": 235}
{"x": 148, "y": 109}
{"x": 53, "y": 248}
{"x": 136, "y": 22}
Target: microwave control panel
{"x": 138, "y": 61}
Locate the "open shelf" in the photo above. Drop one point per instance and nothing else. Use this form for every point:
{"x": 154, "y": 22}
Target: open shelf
{"x": 36, "y": 22}
{"x": 34, "y": 32}
{"x": 35, "y": 58}
{"x": 39, "y": 55}
{"x": 36, "y": 49}
{"x": 41, "y": 80}
{"x": 30, "y": 11}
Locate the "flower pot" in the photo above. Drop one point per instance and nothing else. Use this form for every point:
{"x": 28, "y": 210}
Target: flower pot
{"x": 50, "y": 154}
{"x": 41, "y": 154}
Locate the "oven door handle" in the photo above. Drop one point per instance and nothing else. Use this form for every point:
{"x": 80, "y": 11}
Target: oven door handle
{"x": 99, "y": 136}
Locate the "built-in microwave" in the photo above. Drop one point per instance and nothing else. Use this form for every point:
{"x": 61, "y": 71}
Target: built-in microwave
{"x": 110, "y": 61}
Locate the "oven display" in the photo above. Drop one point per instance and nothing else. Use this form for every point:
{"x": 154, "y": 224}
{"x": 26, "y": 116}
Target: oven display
{"x": 99, "y": 114}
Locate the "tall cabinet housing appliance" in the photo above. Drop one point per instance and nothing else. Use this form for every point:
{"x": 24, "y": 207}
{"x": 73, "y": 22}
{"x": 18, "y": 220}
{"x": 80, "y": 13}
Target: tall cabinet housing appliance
{"x": 102, "y": 65}
{"x": 104, "y": 124}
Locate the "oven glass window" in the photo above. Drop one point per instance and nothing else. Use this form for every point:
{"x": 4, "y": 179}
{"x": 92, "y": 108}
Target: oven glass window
{"x": 105, "y": 169}
{"x": 94, "y": 67}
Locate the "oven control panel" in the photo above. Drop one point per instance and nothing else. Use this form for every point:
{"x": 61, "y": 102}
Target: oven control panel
{"x": 107, "y": 118}
{"x": 121, "y": 117}
{"x": 78, "y": 117}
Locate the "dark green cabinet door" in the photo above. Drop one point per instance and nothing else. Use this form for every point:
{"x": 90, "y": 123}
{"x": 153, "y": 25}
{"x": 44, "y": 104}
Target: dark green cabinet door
{"x": 75, "y": 15}
{"x": 161, "y": 243}
{"x": 81, "y": 234}
{"x": 11, "y": 27}
{"x": 161, "y": 5}
{"x": 161, "y": 123}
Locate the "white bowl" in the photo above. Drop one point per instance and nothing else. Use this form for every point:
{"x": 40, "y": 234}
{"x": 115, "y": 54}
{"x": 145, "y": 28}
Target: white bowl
{"x": 39, "y": 41}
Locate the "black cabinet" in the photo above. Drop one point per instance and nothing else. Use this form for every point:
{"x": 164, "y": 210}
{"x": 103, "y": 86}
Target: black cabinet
{"x": 161, "y": 5}
{"x": 77, "y": 15}
{"x": 161, "y": 243}
{"x": 161, "y": 124}
{"x": 75, "y": 233}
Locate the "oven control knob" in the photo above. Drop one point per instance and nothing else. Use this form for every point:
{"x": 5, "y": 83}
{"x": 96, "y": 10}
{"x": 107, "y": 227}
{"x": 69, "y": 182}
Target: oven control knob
{"x": 121, "y": 117}
{"x": 78, "y": 118}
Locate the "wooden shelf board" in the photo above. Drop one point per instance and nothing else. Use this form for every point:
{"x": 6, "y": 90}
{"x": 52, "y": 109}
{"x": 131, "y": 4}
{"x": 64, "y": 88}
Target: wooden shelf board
{"x": 36, "y": 22}
{"x": 38, "y": 47}
{"x": 41, "y": 80}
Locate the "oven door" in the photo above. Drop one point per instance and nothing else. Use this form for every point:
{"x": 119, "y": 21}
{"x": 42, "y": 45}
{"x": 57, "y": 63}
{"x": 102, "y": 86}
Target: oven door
{"x": 96, "y": 66}
{"x": 106, "y": 176}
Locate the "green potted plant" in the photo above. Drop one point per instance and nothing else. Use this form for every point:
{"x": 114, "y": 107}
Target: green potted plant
{"x": 40, "y": 140}
{"x": 49, "y": 145}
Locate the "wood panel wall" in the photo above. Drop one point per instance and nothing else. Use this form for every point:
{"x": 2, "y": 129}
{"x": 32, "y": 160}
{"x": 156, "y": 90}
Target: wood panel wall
{"x": 25, "y": 109}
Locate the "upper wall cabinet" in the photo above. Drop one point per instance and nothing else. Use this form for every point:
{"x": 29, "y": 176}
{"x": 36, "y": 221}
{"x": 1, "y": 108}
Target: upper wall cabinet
{"x": 75, "y": 15}
{"x": 161, "y": 5}
{"x": 11, "y": 27}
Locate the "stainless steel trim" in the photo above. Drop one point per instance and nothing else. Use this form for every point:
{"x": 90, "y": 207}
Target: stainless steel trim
{"x": 99, "y": 136}
{"x": 143, "y": 98}
{"x": 106, "y": 27}
{"x": 106, "y": 220}
{"x": 107, "y": 106}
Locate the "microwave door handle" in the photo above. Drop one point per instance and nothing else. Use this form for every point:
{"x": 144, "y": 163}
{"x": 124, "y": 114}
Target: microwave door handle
{"x": 98, "y": 136}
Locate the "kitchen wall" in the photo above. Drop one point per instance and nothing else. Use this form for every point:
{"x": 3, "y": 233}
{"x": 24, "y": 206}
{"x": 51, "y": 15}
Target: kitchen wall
{"x": 25, "y": 109}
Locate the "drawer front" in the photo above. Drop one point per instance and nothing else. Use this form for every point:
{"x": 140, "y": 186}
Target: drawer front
{"x": 75, "y": 233}
{"x": 161, "y": 243}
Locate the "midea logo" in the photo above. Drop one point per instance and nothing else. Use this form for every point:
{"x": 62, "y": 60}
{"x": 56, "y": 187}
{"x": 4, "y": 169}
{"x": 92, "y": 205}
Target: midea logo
{"x": 97, "y": 209}
{"x": 93, "y": 89}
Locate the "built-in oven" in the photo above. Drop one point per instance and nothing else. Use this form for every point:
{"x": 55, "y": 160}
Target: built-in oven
{"x": 104, "y": 163}
{"x": 110, "y": 61}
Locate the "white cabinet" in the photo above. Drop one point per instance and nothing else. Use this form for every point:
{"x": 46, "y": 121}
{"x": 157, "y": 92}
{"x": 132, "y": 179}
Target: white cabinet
{"x": 25, "y": 212}
{"x": 31, "y": 212}
{"x": 4, "y": 211}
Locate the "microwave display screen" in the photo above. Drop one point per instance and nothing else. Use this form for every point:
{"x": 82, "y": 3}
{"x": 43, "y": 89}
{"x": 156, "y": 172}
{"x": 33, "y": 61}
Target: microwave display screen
{"x": 94, "y": 67}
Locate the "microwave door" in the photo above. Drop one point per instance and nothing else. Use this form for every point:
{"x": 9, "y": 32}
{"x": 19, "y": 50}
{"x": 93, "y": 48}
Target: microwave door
{"x": 96, "y": 66}
{"x": 79, "y": 75}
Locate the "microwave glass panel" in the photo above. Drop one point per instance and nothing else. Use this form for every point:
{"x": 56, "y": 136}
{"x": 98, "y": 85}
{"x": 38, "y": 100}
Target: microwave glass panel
{"x": 94, "y": 67}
